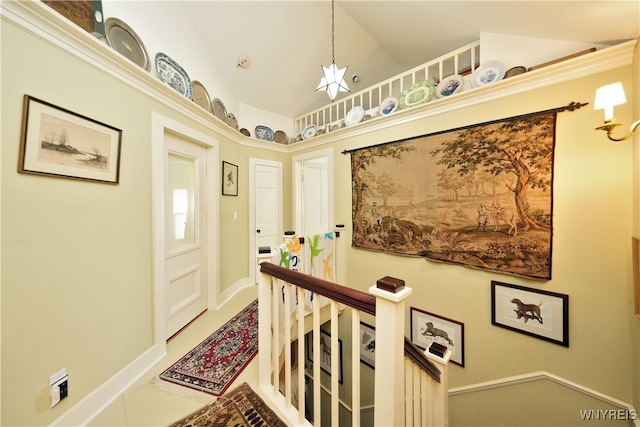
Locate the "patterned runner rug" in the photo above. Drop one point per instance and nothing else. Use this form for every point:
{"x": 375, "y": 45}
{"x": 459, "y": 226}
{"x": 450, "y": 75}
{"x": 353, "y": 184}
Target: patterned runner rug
{"x": 240, "y": 407}
{"x": 214, "y": 363}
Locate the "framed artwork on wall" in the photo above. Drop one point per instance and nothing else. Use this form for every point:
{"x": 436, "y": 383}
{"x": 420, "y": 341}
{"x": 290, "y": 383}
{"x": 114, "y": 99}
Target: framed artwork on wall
{"x": 635, "y": 253}
{"x": 427, "y": 328}
{"x": 533, "y": 312}
{"x": 325, "y": 352}
{"x": 367, "y": 344}
{"x": 229, "y": 179}
{"x": 58, "y": 142}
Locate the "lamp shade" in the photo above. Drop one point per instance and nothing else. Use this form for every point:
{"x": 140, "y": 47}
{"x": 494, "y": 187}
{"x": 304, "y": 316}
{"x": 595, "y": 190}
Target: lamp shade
{"x": 609, "y": 96}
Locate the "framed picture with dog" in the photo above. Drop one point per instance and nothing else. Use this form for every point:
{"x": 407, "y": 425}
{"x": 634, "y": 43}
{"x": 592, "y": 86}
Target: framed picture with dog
{"x": 540, "y": 314}
{"x": 427, "y": 328}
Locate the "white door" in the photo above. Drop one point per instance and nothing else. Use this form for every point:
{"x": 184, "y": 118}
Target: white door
{"x": 315, "y": 200}
{"x": 266, "y": 206}
{"x": 313, "y": 192}
{"x": 185, "y": 232}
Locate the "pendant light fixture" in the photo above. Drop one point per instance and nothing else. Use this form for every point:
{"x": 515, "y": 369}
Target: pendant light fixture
{"x": 333, "y": 80}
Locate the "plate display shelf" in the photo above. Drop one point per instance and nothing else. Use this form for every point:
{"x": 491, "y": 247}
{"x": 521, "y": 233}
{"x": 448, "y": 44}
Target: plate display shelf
{"x": 67, "y": 36}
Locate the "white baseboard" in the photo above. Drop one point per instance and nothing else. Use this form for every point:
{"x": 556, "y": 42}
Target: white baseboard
{"x": 95, "y": 402}
{"x": 234, "y": 289}
{"x": 542, "y": 375}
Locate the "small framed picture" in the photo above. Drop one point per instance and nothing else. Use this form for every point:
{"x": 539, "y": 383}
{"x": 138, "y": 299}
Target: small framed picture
{"x": 229, "y": 179}
{"x": 57, "y": 142}
{"x": 325, "y": 352}
{"x": 635, "y": 253}
{"x": 540, "y": 314}
{"x": 427, "y": 328}
{"x": 367, "y": 344}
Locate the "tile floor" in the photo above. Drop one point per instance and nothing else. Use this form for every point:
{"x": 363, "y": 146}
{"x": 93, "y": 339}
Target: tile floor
{"x": 153, "y": 402}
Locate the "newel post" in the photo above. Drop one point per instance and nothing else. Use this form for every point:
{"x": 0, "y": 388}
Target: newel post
{"x": 390, "y": 294}
{"x": 264, "y": 324}
{"x": 440, "y": 390}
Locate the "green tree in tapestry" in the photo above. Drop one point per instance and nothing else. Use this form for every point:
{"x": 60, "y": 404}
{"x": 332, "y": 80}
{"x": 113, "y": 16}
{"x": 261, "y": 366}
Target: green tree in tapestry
{"x": 478, "y": 196}
{"x": 519, "y": 148}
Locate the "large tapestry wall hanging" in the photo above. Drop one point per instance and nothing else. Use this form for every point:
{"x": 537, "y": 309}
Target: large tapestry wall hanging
{"x": 479, "y": 196}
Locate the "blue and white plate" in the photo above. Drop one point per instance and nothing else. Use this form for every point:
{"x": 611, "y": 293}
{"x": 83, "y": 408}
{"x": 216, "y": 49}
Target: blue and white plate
{"x": 389, "y": 105}
{"x": 487, "y": 73}
{"x": 449, "y": 86}
{"x": 171, "y": 73}
{"x": 309, "y": 132}
{"x": 264, "y": 133}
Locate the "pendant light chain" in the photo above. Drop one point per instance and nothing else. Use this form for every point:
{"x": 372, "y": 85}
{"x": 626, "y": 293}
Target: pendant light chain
{"x": 333, "y": 31}
{"x": 333, "y": 80}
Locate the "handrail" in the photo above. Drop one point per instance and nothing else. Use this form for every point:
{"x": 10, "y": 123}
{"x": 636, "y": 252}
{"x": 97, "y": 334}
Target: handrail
{"x": 351, "y": 297}
{"x": 414, "y": 353}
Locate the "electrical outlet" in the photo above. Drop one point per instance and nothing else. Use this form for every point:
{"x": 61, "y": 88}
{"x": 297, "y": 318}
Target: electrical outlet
{"x": 58, "y": 386}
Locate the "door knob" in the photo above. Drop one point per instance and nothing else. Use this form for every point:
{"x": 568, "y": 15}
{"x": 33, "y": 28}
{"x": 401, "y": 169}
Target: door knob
{"x": 258, "y": 230}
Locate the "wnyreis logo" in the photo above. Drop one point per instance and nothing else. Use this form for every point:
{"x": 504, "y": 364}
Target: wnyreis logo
{"x": 608, "y": 414}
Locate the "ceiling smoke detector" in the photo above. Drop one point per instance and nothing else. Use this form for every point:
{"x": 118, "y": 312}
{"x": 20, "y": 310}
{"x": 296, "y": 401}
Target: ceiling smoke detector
{"x": 243, "y": 62}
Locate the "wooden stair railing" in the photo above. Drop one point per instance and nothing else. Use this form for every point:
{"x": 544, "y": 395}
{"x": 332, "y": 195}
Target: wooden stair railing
{"x": 409, "y": 382}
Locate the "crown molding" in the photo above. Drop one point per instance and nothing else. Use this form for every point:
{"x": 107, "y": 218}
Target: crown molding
{"x": 41, "y": 21}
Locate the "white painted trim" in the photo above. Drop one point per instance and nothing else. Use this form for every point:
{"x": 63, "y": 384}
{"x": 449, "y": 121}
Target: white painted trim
{"x": 537, "y": 376}
{"x": 229, "y": 293}
{"x": 159, "y": 125}
{"x": 253, "y": 262}
{"x": 95, "y": 402}
{"x": 44, "y": 23}
{"x": 296, "y": 185}
{"x": 611, "y": 58}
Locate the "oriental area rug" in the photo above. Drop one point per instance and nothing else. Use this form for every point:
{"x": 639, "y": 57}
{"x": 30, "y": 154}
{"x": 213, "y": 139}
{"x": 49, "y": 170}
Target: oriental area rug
{"x": 240, "y": 407}
{"x": 214, "y": 363}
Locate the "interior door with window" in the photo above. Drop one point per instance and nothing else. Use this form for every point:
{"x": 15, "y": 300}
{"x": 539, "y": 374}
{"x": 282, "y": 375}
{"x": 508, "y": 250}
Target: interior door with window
{"x": 185, "y": 228}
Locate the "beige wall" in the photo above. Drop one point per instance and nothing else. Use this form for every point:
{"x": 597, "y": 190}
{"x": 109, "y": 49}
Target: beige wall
{"x": 593, "y": 194}
{"x": 77, "y": 273}
{"x": 635, "y": 95}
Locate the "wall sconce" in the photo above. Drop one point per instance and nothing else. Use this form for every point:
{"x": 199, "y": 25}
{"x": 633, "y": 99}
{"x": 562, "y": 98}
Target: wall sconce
{"x": 608, "y": 97}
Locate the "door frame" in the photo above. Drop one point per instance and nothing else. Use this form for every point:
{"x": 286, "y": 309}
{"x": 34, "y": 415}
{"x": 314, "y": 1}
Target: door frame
{"x": 160, "y": 125}
{"x": 297, "y": 202}
{"x": 253, "y": 261}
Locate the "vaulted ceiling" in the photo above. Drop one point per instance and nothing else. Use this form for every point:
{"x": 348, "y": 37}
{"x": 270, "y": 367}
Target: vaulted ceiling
{"x": 288, "y": 41}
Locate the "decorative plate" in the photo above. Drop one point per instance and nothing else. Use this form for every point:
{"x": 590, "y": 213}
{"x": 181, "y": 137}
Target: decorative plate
{"x": 309, "y": 132}
{"x": 416, "y": 94}
{"x": 489, "y": 72}
{"x": 450, "y": 85}
{"x": 245, "y": 132}
{"x": 264, "y": 133}
{"x": 515, "y": 71}
{"x": 171, "y": 73}
{"x": 281, "y": 137}
{"x": 354, "y": 116}
{"x": 126, "y": 42}
{"x": 232, "y": 121}
{"x": 389, "y": 105}
{"x": 200, "y": 95}
{"x": 219, "y": 110}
